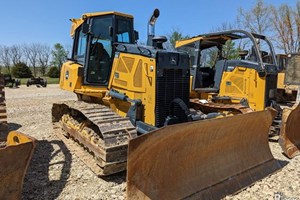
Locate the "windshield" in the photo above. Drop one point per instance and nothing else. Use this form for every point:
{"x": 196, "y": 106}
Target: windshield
{"x": 104, "y": 31}
{"x": 101, "y": 32}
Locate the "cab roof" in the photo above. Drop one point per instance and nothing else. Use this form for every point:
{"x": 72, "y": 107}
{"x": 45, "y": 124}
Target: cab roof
{"x": 212, "y": 39}
{"x": 77, "y": 22}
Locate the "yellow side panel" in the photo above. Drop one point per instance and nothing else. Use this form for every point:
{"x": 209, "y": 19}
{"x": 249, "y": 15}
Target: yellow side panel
{"x": 280, "y": 80}
{"x": 244, "y": 83}
{"x": 137, "y": 78}
{"x": 69, "y": 79}
{"x": 126, "y": 70}
{"x": 135, "y": 75}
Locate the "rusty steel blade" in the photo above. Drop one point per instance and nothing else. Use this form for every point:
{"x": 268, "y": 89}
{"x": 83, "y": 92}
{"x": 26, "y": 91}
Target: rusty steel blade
{"x": 289, "y": 138}
{"x": 15, "y": 155}
{"x": 201, "y": 160}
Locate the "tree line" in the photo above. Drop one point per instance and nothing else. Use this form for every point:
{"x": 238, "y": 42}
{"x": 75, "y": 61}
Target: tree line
{"x": 35, "y": 55}
{"x": 280, "y": 23}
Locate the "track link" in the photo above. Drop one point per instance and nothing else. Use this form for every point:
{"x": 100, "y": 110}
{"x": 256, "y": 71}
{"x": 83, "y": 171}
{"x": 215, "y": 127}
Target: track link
{"x": 102, "y": 134}
{"x": 3, "y": 115}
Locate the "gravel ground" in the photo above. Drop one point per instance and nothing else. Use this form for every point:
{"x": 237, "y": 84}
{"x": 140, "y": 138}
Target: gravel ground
{"x": 55, "y": 173}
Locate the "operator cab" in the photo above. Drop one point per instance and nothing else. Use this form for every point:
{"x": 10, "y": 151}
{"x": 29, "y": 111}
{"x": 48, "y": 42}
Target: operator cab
{"x": 93, "y": 43}
{"x": 215, "y": 53}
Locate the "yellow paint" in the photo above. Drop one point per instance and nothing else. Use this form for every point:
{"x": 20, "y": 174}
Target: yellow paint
{"x": 135, "y": 76}
{"x": 244, "y": 83}
{"x": 280, "y": 80}
{"x": 191, "y": 40}
{"x": 69, "y": 80}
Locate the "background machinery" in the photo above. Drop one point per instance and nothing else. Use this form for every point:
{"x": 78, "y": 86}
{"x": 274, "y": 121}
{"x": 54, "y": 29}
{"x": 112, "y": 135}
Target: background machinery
{"x": 38, "y": 81}
{"x": 224, "y": 73}
{"x": 11, "y": 82}
{"x": 129, "y": 98}
{"x": 289, "y": 85}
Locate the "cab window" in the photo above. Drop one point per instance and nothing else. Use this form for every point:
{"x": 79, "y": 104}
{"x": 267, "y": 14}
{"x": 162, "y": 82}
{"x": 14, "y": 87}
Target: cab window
{"x": 81, "y": 44}
{"x": 123, "y": 31}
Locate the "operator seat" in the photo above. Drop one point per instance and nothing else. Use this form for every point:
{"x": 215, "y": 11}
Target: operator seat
{"x": 99, "y": 63}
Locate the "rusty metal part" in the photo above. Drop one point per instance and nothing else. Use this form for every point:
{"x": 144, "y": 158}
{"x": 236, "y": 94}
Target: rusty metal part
{"x": 3, "y": 115}
{"x": 201, "y": 160}
{"x": 289, "y": 138}
{"x": 15, "y": 156}
{"x": 102, "y": 132}
{"x": 218, "y": 107}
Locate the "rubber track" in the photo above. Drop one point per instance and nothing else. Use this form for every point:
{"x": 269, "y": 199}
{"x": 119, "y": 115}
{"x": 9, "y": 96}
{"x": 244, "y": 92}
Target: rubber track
{"x": 99, "y": 130}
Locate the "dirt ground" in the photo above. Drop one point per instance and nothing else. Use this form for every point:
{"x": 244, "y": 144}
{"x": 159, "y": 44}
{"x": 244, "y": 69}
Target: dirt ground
{"x": 55, "y": 173}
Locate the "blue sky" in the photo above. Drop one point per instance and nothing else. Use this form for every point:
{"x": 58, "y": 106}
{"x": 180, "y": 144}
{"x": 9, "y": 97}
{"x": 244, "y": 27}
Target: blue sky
{"x": 47, "y": 21}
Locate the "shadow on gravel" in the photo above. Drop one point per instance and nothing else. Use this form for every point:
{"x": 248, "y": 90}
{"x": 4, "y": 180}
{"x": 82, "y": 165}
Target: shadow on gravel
{"x": 282, "y": 163}
{"x": 116, "y": 178}
{"x": 13, "y": 126}
{"x": 45, "y": 161}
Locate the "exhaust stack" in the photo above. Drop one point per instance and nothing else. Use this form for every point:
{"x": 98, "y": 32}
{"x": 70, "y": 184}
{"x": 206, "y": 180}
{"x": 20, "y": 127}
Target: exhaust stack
{"x": 151, "y": 27}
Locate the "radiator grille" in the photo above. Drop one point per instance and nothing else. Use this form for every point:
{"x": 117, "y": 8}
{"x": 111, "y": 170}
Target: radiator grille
{"x": 171, "y": 84}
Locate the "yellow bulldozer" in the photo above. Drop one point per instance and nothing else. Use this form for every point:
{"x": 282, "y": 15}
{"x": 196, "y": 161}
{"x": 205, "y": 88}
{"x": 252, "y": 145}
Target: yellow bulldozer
{"x": 225, "y": 73}
{"x": 134, "y": 113}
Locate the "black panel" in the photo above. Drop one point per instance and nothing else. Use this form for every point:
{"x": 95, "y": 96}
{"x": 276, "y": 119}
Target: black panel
{"x": 173, "y": 81}
{"x": 135, "y": 49}
{"x": 271, "y": 88}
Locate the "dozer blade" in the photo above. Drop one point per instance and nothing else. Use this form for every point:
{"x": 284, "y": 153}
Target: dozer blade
{"x": 201, "y": 160}
{"x": 289, "y": 138}
{"x": 15, "y": 154}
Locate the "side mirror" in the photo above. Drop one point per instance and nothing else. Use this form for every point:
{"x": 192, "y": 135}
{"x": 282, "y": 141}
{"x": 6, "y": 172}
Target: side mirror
{"x": 85, "y": 28}
{"x": 136, "y": 35}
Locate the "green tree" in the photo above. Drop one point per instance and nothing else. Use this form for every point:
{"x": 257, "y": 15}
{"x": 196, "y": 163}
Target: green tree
{"x": 59, "y": 55}
{"x": 175, "y": 36}
{"x": 229, "y": 51}
{"x": 53, "y": 72}
{"x": 21, "y": 70}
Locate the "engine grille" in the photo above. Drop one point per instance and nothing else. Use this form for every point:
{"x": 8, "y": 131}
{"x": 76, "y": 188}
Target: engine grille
{"x": 171, "y": 84}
